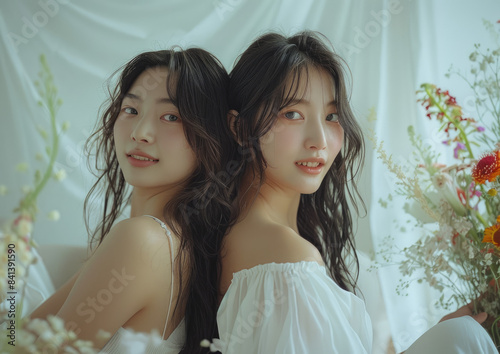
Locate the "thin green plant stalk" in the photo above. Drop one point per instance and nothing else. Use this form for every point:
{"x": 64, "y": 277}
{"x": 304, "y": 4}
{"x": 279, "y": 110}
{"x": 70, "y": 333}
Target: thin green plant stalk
{"x": 27, "y": 206}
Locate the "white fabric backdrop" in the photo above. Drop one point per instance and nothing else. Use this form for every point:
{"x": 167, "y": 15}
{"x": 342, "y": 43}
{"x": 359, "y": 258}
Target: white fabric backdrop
{"x": 390, "y": 46}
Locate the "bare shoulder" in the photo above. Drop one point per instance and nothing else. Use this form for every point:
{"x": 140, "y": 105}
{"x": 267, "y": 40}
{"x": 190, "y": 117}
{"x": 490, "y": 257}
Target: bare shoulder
{"x": 254, "y": 243}
{"x": 137, "y": 230}
{"x": 138, "y": 240}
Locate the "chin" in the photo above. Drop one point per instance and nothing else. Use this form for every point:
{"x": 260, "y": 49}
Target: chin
{"x": 308, "y": 190}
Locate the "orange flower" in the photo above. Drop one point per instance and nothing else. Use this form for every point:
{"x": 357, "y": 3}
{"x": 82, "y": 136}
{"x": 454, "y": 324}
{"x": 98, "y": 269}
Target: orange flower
{"x": 492, "y": 234}
{"x": 487, "y": 169}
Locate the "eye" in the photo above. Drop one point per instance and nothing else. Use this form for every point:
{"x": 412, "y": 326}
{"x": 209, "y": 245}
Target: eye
{"x": 170, "y": 118}
{"x": 332, "y": 117}
{"x": 130, "y": 110}
{"x": 292, "y": 115}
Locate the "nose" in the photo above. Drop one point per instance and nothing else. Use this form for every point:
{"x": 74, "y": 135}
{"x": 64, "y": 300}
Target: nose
{"x": 143, "y": 130}
{"x": 316, "y": 135}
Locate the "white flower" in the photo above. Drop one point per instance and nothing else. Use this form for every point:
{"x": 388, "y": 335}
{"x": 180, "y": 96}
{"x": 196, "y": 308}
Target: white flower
{"x": 83, "y": 345}
{"x": 60, "y": 175}
{"x": 26, "y": 338}
{"x": 415, "y": 209}
{"x": 205, "y": 343}
{"x": 24, "y": 227}
{"x": 70, "y": 350}
{"x": 103, "y": 335}
{"x": 446, "y": 187}
{"x": 471, "y": 252}
{"x": 24, "y": 253}
{"x": 54, "y": 215}
{"x": 8, "y": 237}
{"x": 56, "y": 322}
{"x": 40, "y": 327}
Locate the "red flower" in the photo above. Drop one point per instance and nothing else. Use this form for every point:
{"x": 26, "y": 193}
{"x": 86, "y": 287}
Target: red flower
{"x": 487, "y": 168}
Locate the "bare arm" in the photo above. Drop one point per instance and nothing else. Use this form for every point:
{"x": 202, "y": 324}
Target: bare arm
{"x": 116, "y": 283}
{"x": 53, "y": 304}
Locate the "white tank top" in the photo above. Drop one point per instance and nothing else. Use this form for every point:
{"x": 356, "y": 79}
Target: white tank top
{"x": 125, "y": 341}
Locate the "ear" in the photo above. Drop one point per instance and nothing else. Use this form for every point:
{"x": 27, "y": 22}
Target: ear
{"x": 232, "y": 121}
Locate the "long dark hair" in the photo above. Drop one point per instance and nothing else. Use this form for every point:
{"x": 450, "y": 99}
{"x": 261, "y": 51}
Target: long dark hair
{"x": 259, "y": 89}
{"x": 197, "y": 84}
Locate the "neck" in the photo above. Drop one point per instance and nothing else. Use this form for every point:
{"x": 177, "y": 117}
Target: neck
{"x": 279, "y": 204}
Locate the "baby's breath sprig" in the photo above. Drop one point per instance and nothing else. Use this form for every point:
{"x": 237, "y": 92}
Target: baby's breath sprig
{"x": 48, "y": 99}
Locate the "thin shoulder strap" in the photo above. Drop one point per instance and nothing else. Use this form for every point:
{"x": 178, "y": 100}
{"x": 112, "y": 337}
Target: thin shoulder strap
{"x": 169, "y": 235}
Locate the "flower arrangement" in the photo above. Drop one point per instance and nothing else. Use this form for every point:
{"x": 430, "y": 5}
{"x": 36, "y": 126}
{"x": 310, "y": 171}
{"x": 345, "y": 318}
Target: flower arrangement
{"x": 22, "y": 335}
{"x": 457, "y": 205}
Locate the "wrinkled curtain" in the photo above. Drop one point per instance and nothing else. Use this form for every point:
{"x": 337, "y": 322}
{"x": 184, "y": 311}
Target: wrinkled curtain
{"x": 390, "y": 46}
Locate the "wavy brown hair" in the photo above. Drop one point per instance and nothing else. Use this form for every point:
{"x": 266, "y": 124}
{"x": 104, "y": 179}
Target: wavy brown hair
{"x": 197, "y": 84}
{"x": 259, "y": 89}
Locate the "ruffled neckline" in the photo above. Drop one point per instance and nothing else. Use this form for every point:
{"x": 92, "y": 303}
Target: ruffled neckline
{"x": 273, "y": 267}
{"x": 277, "y": 267}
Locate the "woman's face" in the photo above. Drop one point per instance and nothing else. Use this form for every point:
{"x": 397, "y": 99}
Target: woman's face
{"x": 306, "y": 137}
{"x": 150, "y": 143}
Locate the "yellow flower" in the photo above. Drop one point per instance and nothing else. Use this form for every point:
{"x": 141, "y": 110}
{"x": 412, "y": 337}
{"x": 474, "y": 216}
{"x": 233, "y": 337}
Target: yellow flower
{"x": 492, "y": 234}
{"x": 487, "y": 168}
{"x": 492, "y": 192}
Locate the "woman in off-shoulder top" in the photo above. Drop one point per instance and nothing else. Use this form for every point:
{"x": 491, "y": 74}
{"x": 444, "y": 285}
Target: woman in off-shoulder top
{"x": 285, "y": 285}
{"x": 157, "y": 146}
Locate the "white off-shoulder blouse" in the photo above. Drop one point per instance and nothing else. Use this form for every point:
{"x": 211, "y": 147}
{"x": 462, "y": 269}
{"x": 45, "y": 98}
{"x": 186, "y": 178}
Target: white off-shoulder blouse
{"x": 291, "y": 308}
{"x": 297, "y": 308}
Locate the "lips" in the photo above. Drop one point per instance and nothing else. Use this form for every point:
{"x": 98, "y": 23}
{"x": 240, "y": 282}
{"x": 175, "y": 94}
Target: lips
{"x": 142, "y": 156}
{"x": 140, "y": 159}
{"x": 311, "y": 166}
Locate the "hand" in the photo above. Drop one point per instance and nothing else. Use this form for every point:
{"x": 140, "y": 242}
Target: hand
{"x": 466, "y": 310}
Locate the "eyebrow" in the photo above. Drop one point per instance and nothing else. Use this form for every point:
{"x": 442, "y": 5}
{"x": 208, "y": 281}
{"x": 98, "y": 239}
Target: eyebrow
{"x": 137, "y": 98}
{"x": 304, "y": 101}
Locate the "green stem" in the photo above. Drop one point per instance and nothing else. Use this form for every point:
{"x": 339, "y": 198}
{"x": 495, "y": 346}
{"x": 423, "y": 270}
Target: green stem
{"x": 30, "y": 200}
{"x": 458, "y": 126}
{"x": 484, "y": 222}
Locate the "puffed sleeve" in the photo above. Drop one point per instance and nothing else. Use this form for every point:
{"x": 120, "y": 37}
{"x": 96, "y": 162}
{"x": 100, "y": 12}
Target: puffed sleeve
{"x": 291, "y": 308}
{"x": 461, "y": 335}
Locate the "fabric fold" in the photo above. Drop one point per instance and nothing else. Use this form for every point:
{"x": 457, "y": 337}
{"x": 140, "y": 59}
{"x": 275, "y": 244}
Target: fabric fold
{"x": 291, "y": 308}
